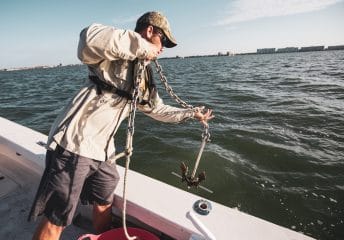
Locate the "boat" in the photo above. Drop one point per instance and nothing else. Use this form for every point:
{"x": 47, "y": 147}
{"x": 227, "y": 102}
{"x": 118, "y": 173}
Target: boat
{"x": 168, "y": 212}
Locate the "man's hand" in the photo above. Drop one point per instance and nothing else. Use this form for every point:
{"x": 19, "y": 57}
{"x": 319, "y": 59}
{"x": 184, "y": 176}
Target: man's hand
{"x": 203, "y": 115}
{"x": 153, "y": 52}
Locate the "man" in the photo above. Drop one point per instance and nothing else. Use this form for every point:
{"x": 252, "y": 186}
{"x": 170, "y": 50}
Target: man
{"x": 81, "y": 141}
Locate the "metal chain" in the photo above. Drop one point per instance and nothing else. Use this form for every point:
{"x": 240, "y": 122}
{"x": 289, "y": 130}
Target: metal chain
{"x": 129, "y": 141}
{"x": 205, "y": 133}
{"x": 163, "y": 79}
{"x": 169, "y": 88}
{"x": 131, "y": 128}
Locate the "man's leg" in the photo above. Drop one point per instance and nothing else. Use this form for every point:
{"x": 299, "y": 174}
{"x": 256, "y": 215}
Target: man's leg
{"x": 47, "y": 230}
{"x": 60, "y": 192}
{"x": 102, "y": 217}
{"x": 101, "y": 186}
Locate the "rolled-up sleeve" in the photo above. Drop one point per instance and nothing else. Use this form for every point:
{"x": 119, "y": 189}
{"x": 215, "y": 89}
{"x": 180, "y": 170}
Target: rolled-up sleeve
{"x": 166, "y": 113}
{"x": 98, "y": 42}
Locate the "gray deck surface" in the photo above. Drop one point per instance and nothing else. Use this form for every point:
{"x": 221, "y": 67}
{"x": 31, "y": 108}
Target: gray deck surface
{"x": 18, "y": 186}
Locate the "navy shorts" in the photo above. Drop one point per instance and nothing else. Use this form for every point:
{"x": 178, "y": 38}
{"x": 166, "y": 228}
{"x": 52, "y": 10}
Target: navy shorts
{"x": 69, "y": 177}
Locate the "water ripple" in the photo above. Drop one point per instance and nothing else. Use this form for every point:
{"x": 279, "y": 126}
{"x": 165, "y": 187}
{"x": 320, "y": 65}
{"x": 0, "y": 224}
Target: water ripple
{"x": 277, "y": 145}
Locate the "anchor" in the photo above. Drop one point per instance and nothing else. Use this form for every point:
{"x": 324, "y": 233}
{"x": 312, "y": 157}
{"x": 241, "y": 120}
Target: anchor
{"x": 191, "y": 181}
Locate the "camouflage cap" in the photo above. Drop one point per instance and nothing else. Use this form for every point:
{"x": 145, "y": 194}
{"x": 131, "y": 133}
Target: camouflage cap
{"x": 158, "y": 20}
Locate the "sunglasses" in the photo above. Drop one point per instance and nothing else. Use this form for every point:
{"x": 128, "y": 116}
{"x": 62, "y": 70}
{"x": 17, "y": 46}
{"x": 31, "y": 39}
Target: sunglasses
{"x": 163, "y": 38}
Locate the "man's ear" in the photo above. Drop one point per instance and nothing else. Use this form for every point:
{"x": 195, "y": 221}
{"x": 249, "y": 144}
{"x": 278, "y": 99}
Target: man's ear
{"x": 149, "y": 31}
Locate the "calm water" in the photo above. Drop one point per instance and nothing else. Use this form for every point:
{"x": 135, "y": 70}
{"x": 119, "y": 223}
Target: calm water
{"x": 277, "y": 149}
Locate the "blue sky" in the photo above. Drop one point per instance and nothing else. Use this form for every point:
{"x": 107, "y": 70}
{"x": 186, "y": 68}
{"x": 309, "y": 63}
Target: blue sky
{"x": 46, "y": 32}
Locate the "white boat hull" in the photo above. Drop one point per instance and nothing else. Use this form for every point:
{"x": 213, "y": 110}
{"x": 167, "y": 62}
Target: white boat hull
{"x": 158, "y": 205}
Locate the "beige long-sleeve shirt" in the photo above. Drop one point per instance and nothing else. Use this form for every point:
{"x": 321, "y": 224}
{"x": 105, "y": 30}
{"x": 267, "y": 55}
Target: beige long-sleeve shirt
{"x": 88, "y": 124}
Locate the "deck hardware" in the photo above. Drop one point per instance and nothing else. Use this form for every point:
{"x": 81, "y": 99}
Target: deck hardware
{"x": 202, "y": 207}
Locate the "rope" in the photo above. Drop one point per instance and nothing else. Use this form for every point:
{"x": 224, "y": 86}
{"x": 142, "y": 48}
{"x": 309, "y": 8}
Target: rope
{"x": 130, "y": 132}
{"x": 124, "y": 210}
{"x": 129, "y": 143}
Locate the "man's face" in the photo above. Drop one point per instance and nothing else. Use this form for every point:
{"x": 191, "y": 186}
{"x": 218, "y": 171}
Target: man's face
{"x": 156, "y": 37}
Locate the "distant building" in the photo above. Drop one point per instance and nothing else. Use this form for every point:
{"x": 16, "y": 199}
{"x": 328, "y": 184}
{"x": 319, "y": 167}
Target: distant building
{"x": 266, "y": 50}
{"x": 287, "y": 50}
{"x": 312, "y": 48}
{"x": 337, "y": 47}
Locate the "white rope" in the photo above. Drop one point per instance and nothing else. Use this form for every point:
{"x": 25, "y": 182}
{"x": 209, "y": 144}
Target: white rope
{"x": 129, "y": 144}
{"x": 130, "y": 134}
{"x": 125, "y": 201}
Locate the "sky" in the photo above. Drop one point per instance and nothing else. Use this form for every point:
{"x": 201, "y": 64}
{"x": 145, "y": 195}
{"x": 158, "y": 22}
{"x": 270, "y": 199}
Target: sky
{"x": 46, "y": 32}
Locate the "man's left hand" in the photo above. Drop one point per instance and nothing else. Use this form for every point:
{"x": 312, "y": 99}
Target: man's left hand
{"x": 203, "y": 115}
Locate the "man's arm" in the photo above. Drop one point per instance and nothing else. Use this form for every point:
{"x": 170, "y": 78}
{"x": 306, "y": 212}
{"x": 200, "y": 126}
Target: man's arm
{"x": 166, "y": 113}
{"x": 98, "y": 42}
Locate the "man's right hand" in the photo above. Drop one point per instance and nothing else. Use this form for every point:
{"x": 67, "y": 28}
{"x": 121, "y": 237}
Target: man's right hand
{"x": 153, "y": 52}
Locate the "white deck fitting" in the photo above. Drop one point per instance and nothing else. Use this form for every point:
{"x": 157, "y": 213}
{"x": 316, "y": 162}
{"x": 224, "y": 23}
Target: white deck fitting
{"x": 157, "y": 204}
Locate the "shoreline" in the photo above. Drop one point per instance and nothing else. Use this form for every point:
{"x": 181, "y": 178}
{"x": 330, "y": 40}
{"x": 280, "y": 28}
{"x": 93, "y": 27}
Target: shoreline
{"x": 229, "y": 54}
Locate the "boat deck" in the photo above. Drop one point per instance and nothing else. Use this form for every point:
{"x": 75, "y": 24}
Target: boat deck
{"x": 18, "y": 185}
{"x": 162, "y": 207}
